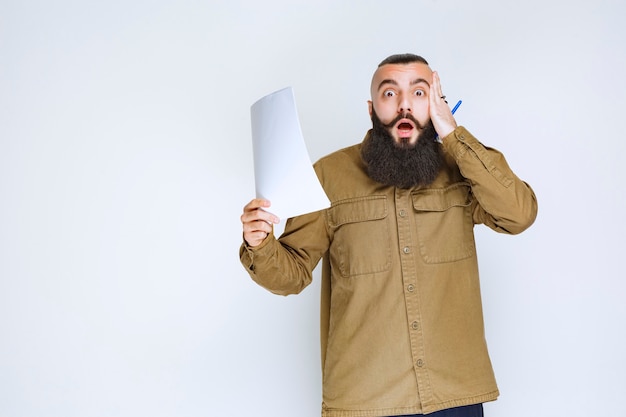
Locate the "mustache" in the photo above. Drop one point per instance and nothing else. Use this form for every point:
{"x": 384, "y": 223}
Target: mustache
{"x": 400, "y": 117}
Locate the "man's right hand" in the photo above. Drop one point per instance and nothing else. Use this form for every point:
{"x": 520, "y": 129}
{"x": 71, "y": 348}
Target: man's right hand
{"x": 257, "y": 223}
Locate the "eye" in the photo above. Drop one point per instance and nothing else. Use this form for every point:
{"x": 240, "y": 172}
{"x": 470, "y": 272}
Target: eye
{"x": 389, "y": 93}
{"x": 419, "y": 93}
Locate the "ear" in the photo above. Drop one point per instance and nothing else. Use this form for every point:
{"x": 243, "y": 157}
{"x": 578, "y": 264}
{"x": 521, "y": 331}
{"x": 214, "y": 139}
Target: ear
{"x": 370, "y": 106}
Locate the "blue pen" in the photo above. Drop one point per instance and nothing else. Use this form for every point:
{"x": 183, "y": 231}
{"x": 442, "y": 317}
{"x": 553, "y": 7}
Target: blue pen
{"x": 456, "y": 106}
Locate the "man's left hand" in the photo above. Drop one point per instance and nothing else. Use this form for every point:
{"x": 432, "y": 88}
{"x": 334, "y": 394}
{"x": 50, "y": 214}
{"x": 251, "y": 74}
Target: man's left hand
{"x": 440, "y": 112}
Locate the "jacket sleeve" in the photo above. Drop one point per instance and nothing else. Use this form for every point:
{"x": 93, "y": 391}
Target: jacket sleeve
{"x": 504, "y": 202}
{"x": 285, "y": 266}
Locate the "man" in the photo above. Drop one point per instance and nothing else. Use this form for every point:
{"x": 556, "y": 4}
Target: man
{"x": 401, "y": 317}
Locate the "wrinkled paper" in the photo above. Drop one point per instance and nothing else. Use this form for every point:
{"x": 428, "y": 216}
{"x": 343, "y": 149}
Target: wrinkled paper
{"x": 283, "y": 172}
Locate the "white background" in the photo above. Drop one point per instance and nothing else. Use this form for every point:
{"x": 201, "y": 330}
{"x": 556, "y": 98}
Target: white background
{"x": 125, "y": 160}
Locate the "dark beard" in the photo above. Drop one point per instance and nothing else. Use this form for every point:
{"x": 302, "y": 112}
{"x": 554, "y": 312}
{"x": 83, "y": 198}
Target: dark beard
{"x": 401, "y": 165}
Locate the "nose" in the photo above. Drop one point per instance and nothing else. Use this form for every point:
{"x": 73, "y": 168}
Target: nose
{"x": 404, "y": 105}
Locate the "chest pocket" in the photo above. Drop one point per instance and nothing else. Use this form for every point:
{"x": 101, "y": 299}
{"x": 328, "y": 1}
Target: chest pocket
{"x": 361, "y": 242}
{"x": 445, "y": 228}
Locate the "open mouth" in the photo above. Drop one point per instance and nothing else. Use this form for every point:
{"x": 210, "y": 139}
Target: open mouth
{"x": 405, "y": 129}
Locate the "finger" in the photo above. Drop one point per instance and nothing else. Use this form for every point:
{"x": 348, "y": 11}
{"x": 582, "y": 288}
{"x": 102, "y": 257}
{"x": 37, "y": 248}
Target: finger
{"x": 437, "y": 90}
{"x": 437, "y": 84}
{"x": 253, "y": 211}
{"x": 255, "y": 238}
{"x": 256, "y": 204}
{"x": 254, "y": 233}
{"x": 435, "y": 95}
{"x": 258, "y": 226}
{"x": 259, "y": 215}
{"x": 257, "y": 207}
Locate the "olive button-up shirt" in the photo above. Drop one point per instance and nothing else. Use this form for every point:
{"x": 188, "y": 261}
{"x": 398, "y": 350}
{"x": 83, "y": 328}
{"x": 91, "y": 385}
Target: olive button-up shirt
{"x": 401, "y": 316}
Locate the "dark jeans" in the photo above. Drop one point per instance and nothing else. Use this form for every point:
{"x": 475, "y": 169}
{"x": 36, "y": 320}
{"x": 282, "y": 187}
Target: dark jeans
{"x": 467, "y": 411}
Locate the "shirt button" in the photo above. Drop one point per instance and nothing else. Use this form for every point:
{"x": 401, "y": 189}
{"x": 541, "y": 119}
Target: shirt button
{"x": 406, "y": 249}
{"x": 419, "y": 363}
{"x": 402, "y": 213}
{"x": 410, "y": 287}
{"x": 415, "y": 325}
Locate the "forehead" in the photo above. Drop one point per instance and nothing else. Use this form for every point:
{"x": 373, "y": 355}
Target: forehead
{"x": 401, "y": 74}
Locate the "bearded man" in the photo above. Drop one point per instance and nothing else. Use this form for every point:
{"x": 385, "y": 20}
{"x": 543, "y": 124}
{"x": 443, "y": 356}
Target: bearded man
{"x": 401, "y": 317}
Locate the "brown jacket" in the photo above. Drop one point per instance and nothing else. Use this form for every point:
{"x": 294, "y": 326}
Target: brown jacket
{"x": 401, "y": 316}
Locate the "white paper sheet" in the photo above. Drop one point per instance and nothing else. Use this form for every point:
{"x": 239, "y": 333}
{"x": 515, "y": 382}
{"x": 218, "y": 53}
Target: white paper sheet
{"x": 283, "y": 172}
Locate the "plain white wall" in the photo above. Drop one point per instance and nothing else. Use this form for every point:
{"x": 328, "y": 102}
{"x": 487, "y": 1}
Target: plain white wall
{"x": 125, "y": 160}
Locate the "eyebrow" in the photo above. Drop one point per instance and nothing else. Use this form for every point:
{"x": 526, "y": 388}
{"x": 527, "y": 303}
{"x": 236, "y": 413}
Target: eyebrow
{"x": 394, "y": 82}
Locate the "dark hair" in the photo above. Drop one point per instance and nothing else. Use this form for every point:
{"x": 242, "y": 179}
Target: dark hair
{"x": 402, "y": 59}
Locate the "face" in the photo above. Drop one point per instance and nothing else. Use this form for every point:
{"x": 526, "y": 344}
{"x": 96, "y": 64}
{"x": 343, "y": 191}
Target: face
{"x": 400, "y": 99}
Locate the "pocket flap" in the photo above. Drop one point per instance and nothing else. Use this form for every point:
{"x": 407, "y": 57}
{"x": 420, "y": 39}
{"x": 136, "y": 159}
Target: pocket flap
{"x": 359, "y": 209}
{"x": 441, "y": 199}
